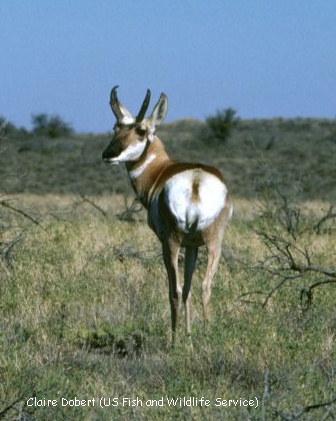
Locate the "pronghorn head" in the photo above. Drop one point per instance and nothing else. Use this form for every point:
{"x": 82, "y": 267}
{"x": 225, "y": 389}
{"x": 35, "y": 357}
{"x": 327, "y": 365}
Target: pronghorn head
{"x": 133, "y": 134}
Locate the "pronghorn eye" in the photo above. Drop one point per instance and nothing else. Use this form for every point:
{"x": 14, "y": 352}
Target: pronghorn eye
{"x": 141, "y": 132}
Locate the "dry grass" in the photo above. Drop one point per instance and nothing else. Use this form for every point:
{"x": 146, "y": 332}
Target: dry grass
{"x": 84, "y": 303}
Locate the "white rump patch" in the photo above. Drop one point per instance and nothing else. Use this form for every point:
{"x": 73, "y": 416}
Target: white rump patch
{"x": 202, "y": 212}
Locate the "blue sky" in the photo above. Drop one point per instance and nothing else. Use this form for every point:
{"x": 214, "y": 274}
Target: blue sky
{"x": 264, "y": 58}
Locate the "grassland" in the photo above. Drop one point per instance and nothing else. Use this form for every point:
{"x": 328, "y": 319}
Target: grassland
{"x": 84, "y": 306}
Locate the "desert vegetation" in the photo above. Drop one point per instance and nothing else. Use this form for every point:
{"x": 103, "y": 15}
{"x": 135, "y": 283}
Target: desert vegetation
{"x": 219, "y": 126}
{"x": 84, "y": 311}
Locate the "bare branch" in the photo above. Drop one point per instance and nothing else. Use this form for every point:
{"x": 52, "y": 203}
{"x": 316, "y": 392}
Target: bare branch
{"x": 7, "y": 252}
{"x": 92, "y": 203}
{"x": 329, "y": 215}
{"x": 21, "y": 212}
{"x": 128, "y": 214}
{"x": 309, "y": 408}
{"x": 9, "y": 407}
{"x": 287, "y": 258}
{"x": 269, "y": 295}
{"x": 307, "y": 293}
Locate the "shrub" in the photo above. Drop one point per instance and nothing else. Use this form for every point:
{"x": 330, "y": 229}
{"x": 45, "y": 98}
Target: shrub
{"x": 51, "y": 126}
{"x": 6, "y": 127}
{"x": 221, "y": 125}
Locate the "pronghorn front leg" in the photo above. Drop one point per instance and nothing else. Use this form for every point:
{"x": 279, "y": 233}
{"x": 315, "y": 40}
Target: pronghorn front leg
{"x": 170, "y": 255}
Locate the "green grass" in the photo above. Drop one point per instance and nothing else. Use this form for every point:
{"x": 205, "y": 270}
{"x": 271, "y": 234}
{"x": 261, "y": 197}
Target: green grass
{"x": 85, "y": 313}
{"x": 84, "y": 308}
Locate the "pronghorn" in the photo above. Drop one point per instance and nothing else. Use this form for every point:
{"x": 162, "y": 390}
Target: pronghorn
{"x": 188, "y": 204}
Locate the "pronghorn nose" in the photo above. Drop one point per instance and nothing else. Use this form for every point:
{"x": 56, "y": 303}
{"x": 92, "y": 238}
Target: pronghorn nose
{"x": 105, "y": 155}
{"x": 112, "y": 151}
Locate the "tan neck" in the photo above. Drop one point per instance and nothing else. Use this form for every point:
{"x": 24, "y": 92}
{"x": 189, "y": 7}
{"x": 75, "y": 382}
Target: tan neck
{"x": 145, "y": 171}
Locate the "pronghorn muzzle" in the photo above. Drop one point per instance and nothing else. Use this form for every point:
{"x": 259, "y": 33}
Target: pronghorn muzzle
{"x": 112, "y": 152}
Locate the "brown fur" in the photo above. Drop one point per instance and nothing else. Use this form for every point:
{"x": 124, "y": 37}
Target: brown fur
{"x": 156, "y": 168}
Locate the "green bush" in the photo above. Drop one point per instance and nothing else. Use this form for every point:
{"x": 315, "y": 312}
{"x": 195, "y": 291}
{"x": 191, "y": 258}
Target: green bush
{"x": 220, "y": 126}
{"x": 9, "y": 129}
{"x": 51, "y": 126}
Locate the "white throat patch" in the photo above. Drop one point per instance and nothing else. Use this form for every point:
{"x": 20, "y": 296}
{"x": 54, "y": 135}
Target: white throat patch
{"x": 138, "y": 171}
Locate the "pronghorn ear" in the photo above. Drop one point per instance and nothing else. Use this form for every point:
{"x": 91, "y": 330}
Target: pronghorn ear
{"x": 127, "y": 116}
{"x": 158, "y": 114}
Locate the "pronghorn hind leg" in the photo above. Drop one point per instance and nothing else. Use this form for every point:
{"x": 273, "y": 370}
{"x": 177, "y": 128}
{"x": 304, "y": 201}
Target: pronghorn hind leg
{"x": 189, "y": 267}
{"x": 213, "y": 260}
{"x": 170, "y": 255}
{"x": 213, "y": 237}
{"x": 213, "y": 241}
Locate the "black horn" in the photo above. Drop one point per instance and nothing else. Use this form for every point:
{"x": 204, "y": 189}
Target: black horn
{"x": 143, "y": 108}
{"x": 115, "y": 104}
